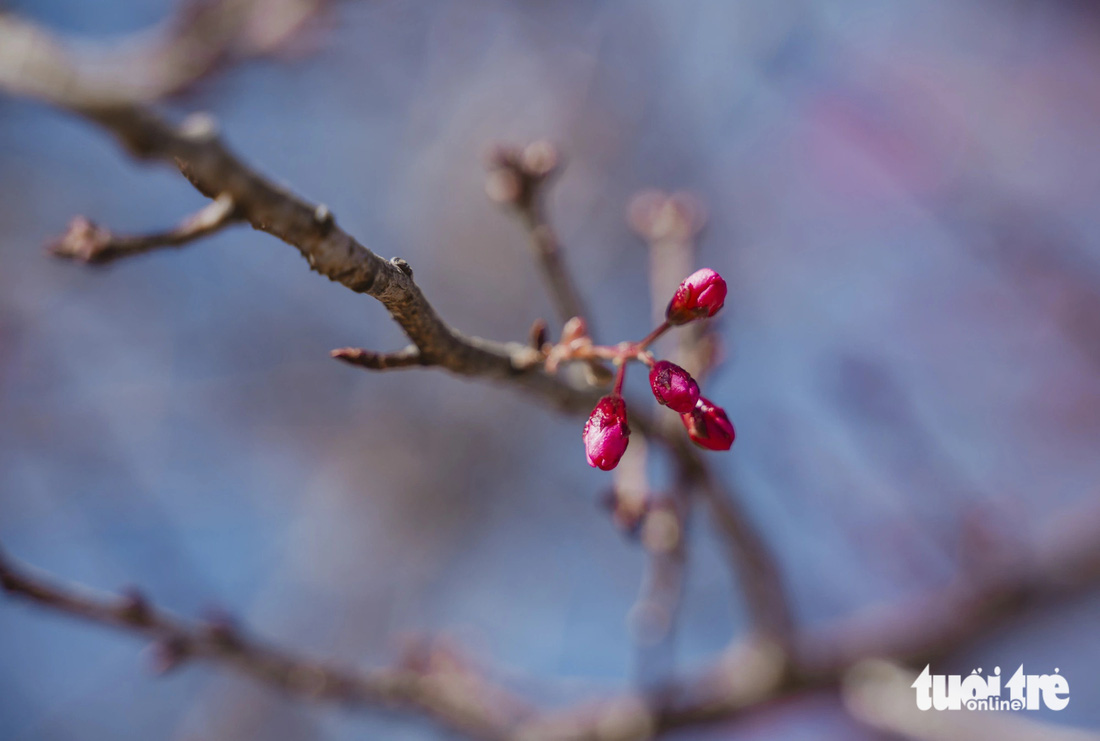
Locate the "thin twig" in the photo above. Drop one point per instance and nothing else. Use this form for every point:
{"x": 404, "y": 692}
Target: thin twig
{"x": 519, "y": 178}
{"x": 670, "y": 224}
{"x": 86, "y": 241}
{"x": 405, "y": 358}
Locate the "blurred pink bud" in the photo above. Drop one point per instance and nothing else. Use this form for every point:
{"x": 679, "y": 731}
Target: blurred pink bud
{"x": 701, "y": 294}
{"x": 606, "y": 434}
{"x": 574, "y": 329}
{"x": 673, "y": 386}
{"x": 708, "y": 426}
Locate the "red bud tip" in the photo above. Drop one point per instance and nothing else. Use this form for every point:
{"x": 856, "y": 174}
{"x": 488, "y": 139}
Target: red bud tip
{"x": 700, "y": 295}
{"x": 606, "y": 433}
{"x": 708, "y": 426}
{"x": 673, "y": 387}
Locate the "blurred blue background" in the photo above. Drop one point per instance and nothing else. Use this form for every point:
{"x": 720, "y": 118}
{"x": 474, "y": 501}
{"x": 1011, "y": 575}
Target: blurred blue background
{"x": 902, "y": 195}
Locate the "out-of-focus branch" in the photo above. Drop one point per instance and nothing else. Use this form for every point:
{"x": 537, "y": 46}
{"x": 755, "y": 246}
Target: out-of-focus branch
{"x": 664, "y": 524}
{"x": 404, "y": 358}
{"x": 753, "y": 562}
{"x": 655, "y": 612}
{"x": 202, "y": 36}
{"x": 86, "y": 241}
{"x": 1061, "y": 563}
{"x": 518, "y": 178}
{"x": 670, "y": 225}
{"x": 452, "y": 694}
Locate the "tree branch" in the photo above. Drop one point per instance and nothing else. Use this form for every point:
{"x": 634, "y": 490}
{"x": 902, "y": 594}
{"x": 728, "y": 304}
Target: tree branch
{"x": 202, "y": 36}
{"x": 196, "y": 149}
{"x": 86, "y": 241}
{"x": 518, "y": 178}
{"x": 31, "y": 63}
{"x": 409, "y": 356}
{"x": 453, "y": 695}
{"x": 1058, "y": 565}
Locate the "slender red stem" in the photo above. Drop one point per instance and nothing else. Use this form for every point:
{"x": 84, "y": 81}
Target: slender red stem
{"x": 652, "y": 336}
{"x": 620, "y": 375}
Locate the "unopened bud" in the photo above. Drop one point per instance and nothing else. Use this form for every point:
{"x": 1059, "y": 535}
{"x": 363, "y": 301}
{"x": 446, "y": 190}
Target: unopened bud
{"x": 574, "y": 330}
{"x": 606, "y": 433}
{"x": 708, "y": 426}
{"x": 673, "y": 387}
{"x": 700, "y": 295}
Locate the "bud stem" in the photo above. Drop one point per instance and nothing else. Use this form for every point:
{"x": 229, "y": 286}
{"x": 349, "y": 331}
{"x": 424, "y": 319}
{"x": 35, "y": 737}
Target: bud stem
{"x": 653, "y": 336}
{"x": 620, "y": 375}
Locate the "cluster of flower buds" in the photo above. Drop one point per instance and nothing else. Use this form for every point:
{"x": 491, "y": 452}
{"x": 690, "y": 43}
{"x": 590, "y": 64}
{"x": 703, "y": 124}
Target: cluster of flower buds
{"x": 606, "y": 434}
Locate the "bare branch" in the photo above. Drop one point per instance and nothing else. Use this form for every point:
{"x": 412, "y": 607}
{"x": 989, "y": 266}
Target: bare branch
{"x": 409, "y": 356}
{"x": 454, "y": 696}
{"x": 196, "y": 149}
{"x": 33, "y": 64}
{"x": 655, "y": 612}
{"x": 670, "y": 224}
{"x": 86, "y": 241}
{"x": 1063, "y": 564}
{"x": 519, "y": 178}
{"x": 201, "y": 37}
{"x": 758, "y": 573}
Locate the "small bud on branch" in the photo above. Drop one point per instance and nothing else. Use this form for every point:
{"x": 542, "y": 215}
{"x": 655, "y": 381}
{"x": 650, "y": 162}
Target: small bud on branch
{"x": 700, "y": 295}
{"x": 708, "y": 426}
{"x": 673, "y": 387}
{"x": 606, "y": 433}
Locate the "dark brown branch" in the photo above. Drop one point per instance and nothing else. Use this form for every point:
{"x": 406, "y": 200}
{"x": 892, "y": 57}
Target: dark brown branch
{"x": 410, "y": 356}
{"x": 86, "y": 241}
{"x": 195, "y": 148}
{"x": 31, "y": 63}
{"x": 453, "y": 695}
{"x": 519, "y": 178}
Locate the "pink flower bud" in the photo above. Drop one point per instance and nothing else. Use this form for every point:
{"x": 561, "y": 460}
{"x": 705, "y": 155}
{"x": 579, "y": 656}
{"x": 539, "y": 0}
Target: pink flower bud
{"x": 708, "y": 426}
{"x": 701, "y": 294}
{"x": 673, "y": 386}
{"x": 606, "y": 433}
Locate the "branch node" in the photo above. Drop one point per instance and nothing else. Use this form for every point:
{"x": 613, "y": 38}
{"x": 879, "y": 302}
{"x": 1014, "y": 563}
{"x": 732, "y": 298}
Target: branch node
{"x": 222, "y": 629}
{"x": 168, "y": 654}
{"x": 135, "y": 607}
{"x": 323, "y": 217}
{"x": 403, "y": 265}
{"x": 200, "y": 128}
